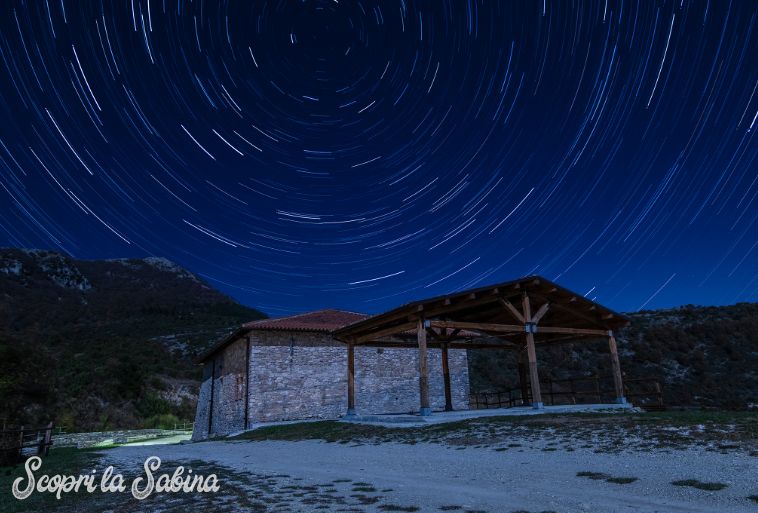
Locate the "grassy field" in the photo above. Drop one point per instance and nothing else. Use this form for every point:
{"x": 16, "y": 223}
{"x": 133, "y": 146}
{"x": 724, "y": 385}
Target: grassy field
{"x": 67, "y": 460}
{"x": 717, "y": 431}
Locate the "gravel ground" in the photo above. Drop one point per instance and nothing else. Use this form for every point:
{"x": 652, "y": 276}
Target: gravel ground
{"x": 525, "y": 475}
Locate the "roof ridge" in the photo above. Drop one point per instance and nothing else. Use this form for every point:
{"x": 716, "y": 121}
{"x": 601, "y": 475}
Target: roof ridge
{"x": 301, "y": 314}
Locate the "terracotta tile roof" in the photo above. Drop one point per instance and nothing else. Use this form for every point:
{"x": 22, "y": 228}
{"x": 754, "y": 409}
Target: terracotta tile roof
{"x": 320, "y": 320}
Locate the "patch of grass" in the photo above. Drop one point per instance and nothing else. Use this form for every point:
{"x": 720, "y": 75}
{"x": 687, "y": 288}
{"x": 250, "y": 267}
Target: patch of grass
{"x": 622, "y": 480}
{"x": 598, "y": 476}
{"x": 450, "y": 508}
{"x": 395, "y": 507}
{"x": 723, "y": 430}
{"x": 753, "y": 498}
{"x": 366, "y": 499}
{"x": 64, "y": 460}
{"x": 366, "y": 489}
{"x": 700, "y": 485}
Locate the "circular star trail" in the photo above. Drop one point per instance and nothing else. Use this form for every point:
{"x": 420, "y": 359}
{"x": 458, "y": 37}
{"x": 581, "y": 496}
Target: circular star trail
{"x": 356, "y": 154}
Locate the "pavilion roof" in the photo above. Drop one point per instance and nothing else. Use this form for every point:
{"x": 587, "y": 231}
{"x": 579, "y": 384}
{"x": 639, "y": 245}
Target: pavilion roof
{"x": 495, "y": 310}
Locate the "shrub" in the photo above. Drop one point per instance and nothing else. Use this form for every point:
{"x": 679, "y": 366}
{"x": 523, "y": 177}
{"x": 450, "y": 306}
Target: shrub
{"x": 164, "y": 421}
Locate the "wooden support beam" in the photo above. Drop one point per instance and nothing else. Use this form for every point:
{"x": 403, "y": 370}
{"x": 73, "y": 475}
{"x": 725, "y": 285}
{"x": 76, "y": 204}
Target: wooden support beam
{"x": 428, "y": 312}
{"x": 480, "y": 326}
{"x": 574, "y": 312}
{"x": 540, "y": 313}
{"x": 572, "y": 331}
{"x": 618, "y": 384}
{"x": 350, "y": 379}
{"x": 398, "y": 328}
{"x": 446, "y": 378}
{"x": 513, "y": 310}
{"x": 457, "y": 344}
{"x": 534, "y": 377}
{"x": 423, "y": 369}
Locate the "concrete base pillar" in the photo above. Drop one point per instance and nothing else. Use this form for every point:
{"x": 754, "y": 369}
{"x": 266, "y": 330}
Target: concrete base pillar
{"x": 425, "y": 412}
{"x": 538, "y": 406}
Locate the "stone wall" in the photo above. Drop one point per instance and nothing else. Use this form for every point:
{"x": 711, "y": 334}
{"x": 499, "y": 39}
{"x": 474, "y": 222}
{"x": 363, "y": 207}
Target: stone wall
{"x": 303, "y": 375}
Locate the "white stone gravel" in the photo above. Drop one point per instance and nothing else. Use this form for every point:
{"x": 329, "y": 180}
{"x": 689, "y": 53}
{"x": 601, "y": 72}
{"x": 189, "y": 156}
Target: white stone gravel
{"x": 525, "y": 478}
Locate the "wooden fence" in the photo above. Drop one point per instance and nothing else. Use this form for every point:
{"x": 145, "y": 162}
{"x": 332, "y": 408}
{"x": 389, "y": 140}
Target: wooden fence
{"x": 15, "y": 443}
{"x": 644, "y": 392}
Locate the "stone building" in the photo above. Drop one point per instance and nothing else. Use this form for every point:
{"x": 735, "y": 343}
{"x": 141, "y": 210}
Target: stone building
{"x": 293, "y": 368}
{"x": 411, "y": 359}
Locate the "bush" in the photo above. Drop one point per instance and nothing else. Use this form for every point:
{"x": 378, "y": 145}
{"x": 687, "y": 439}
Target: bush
{"x": 164, "y": 421}
{"x": 151, "y": 405}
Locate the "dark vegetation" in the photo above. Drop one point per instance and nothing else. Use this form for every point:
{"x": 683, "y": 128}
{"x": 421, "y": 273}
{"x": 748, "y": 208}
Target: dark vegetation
{"x": 96, "y": 345}
{"x": 599, "y": 476}
{"x": 700, "y": 485}
{"x": 703, "y": 356}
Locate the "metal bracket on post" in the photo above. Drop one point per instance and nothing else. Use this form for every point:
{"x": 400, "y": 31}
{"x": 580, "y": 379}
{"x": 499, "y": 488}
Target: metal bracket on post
{"x": 530, "y": 327}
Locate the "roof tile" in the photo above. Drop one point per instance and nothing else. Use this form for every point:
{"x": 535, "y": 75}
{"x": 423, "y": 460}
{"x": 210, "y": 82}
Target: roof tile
{"x": 320, "y": 320}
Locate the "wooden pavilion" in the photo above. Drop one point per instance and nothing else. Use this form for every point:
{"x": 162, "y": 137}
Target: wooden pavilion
{"x": 520, "y": 315}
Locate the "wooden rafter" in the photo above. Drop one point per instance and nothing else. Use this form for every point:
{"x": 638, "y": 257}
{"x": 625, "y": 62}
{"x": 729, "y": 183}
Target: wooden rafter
{"x": 512, "y": 309}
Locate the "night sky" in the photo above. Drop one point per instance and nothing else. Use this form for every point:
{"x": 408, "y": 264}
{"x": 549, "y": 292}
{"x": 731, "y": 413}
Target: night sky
{"x": 353, "y": 154}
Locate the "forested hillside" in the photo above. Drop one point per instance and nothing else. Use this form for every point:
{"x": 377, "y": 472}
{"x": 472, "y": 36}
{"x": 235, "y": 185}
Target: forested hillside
{"x": 100, "y": 344}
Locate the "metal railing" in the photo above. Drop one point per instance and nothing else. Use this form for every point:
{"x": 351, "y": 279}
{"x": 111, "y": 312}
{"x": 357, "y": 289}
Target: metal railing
{"x": 645, "y": 392}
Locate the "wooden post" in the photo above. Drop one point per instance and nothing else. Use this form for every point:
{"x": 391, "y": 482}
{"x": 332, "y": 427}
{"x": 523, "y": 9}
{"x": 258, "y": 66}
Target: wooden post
{"x": 550, "y": 388}
{"x": 618, "y": 384}
{"x": 597, "y": 389}
{"x": 423, "y": 369}
{"x": 350, "y": 380}
{"x": 20, "y": 451}
{"x": 446, "y": 377}
{"x": 534, "y": 377}
{"x": 48, "y": 440}
{"x": 523, "y": 380}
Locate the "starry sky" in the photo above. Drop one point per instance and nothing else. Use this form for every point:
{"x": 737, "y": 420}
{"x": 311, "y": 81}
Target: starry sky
{"x": 355, "y": 154}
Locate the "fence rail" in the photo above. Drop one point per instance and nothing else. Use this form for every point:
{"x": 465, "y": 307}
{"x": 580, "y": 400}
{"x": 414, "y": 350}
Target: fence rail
{"x": 184, "y": 426}
{"x": 646, "y": 392}
{"x": 14, "y": 442}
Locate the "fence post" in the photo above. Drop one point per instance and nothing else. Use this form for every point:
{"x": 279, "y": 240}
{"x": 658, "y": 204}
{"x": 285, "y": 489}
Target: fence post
{"x": 48, "y": 437}
{"x": 597, "y": 390}
{"x": 20, "y": 442}
{"x": 572, "y": 388}
{"x": 550, "y": 386}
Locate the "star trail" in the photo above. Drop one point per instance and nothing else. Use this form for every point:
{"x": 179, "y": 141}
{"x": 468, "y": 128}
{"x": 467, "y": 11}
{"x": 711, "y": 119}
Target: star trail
{"x": 355, "y": 154}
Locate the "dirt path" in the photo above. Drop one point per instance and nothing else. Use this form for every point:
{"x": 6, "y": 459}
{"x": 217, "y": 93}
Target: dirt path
{"x": 431, "y": 476}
